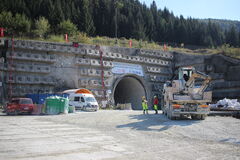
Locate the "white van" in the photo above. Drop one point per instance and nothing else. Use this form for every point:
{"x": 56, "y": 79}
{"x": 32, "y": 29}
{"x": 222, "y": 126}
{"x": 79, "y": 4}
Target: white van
{"x": 82, "y": 99}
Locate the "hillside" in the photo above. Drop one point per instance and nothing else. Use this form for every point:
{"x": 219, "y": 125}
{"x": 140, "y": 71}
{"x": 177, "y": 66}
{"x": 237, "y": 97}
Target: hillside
{"x": 224, "y": 24}
{"x": 120, "y": 18}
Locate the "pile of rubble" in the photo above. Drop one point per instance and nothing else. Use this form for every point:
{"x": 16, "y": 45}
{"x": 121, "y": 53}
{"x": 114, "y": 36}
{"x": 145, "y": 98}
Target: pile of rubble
{"x": 231, "y": 104}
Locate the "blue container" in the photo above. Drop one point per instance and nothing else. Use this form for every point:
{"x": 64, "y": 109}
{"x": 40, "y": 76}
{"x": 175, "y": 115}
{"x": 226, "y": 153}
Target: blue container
{"x": 40, "y": 98}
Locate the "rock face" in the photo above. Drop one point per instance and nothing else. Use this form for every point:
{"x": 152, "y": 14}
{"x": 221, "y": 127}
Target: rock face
{"x": 225, "y": 72}
{"x": 125, "y": 75}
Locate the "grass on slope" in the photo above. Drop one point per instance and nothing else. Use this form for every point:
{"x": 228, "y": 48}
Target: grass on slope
{"x": 123, "y": 42}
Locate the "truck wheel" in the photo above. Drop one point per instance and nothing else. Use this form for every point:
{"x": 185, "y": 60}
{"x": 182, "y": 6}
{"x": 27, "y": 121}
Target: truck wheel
{"x": 194, "y": 117}
{"x": 203, "y": 117}
{"x": 169, "y": 115}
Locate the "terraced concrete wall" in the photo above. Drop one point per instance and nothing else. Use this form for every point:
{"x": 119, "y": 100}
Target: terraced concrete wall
{"x": 41, "y": 67}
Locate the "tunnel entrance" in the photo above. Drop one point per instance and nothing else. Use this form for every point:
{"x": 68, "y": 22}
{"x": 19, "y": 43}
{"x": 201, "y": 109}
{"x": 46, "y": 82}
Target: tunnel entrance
{"x": 129, "y": 90}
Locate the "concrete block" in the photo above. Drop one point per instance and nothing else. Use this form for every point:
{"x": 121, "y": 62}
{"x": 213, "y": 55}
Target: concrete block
{"x": 83, "y": 82}
{"x": 54, "y": 47}
{"x": 107, "y": 64}
{"x": 21, "y": 67}
{"x": 92, "y": 52}
{"x": 61, "y": 48}
{"x": 95, "y": 83}
{"x": 19, "y": 79}
{"x": 113, "y": 55}
{"x": 141, "y": 59}
{"x": 17, "y": 44}
{"x": 69, "y": 49}
{"x": 27, "y": 79}
{"x": 107, "y": 74}
{"x": 46, "y": 69}
{"x": 118, "y": 56}
{"x": 127, "y": 58}
{"x": 18, "y": 55}
{"x": 95, "y": 62}
{"x": 38, "y": 46}
{"x": 149, "y": 69}
{"x": 31, "y": 45}
{"x": 37, "y": 68}
{"x": 44, "y": 57}
{"x": 82, "y": 51}
{"x": 36, "y": 79}
{"x": 83, "y": 61}
{"x": 107, "y": 54}
{"x": 84, "y": 72}
{"x": 152, "y": 78}
{"x": 107, "y": 83}
{"x": 30, "y": 68}
{"x": 52, "y": 58}
{"x": 92, "y": 72}
{"x": 75, "y": 50}
{"x": 36, "y": 56}
{"x": 28, "y": 55}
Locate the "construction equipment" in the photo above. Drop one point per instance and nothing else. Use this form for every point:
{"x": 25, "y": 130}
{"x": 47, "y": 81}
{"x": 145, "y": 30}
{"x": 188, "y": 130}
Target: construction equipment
{"x": 183, "y": 97}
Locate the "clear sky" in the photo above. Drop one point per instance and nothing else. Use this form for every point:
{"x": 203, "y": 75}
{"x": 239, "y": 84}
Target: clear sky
{"x": 218, "y": 9}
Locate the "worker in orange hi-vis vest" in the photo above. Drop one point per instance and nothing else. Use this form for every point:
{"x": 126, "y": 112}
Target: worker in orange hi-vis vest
{"x": 155, "y": 104}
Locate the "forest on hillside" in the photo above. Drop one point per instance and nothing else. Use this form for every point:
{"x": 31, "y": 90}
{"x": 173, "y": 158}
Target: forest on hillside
{"x": 111, "y": 18}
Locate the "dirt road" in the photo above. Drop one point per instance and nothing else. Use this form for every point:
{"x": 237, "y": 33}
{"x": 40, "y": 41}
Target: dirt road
{"x": 117, "y": 135}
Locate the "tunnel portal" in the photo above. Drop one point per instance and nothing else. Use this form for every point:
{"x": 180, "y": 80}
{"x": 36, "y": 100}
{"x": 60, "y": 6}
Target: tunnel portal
{"x": 129, "y": 90}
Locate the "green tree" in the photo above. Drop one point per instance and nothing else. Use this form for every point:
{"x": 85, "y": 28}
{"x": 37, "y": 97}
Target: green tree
{"x": 67, "y": 27}
{"x": 87, "y": 24}
{"x": 232, "y": 36}
{"x": 22, "y": 25}
{"x": 42, "y": 27}
{"x": 139, "y": 27}
{"x": 6, "y": 21}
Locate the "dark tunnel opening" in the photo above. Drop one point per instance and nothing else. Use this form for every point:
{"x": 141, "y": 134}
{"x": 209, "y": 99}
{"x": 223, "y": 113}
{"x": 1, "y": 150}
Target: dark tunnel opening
{"x": 129, "y": 90}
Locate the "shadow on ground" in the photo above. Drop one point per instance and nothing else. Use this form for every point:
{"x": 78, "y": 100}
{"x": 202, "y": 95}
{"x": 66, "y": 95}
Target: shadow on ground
{"x": 153, "y": 122}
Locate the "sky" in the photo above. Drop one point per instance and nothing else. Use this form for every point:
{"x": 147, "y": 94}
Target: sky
{"x": 217, "y": 9}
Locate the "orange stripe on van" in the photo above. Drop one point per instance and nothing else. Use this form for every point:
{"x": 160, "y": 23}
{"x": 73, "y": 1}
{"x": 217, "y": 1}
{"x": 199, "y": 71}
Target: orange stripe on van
{"x": 83, "y": 91}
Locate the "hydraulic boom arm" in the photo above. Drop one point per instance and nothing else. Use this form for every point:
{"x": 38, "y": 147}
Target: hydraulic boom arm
{"x": 196, "y": 74}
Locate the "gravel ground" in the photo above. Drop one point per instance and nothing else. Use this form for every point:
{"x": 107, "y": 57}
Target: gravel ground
{"x": 117, "y": 135}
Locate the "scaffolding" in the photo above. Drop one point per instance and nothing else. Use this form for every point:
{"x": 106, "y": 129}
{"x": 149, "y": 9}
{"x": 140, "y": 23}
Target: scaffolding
{"x": 10, "y": 78}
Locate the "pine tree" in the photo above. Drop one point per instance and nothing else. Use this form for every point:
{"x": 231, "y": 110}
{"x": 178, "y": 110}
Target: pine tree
{"x": 86, "y": 24}
{"x": 232, "y": 37}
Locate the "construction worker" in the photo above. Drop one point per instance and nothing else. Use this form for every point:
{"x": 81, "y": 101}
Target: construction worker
{"x": 144, "y": 105}
{"x": 155, "y": 104}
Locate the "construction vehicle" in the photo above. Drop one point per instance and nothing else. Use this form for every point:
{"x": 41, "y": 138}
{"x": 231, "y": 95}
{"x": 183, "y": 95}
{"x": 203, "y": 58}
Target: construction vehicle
{"x": 82, "y": 99}
{"x": 183, "y": 97}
